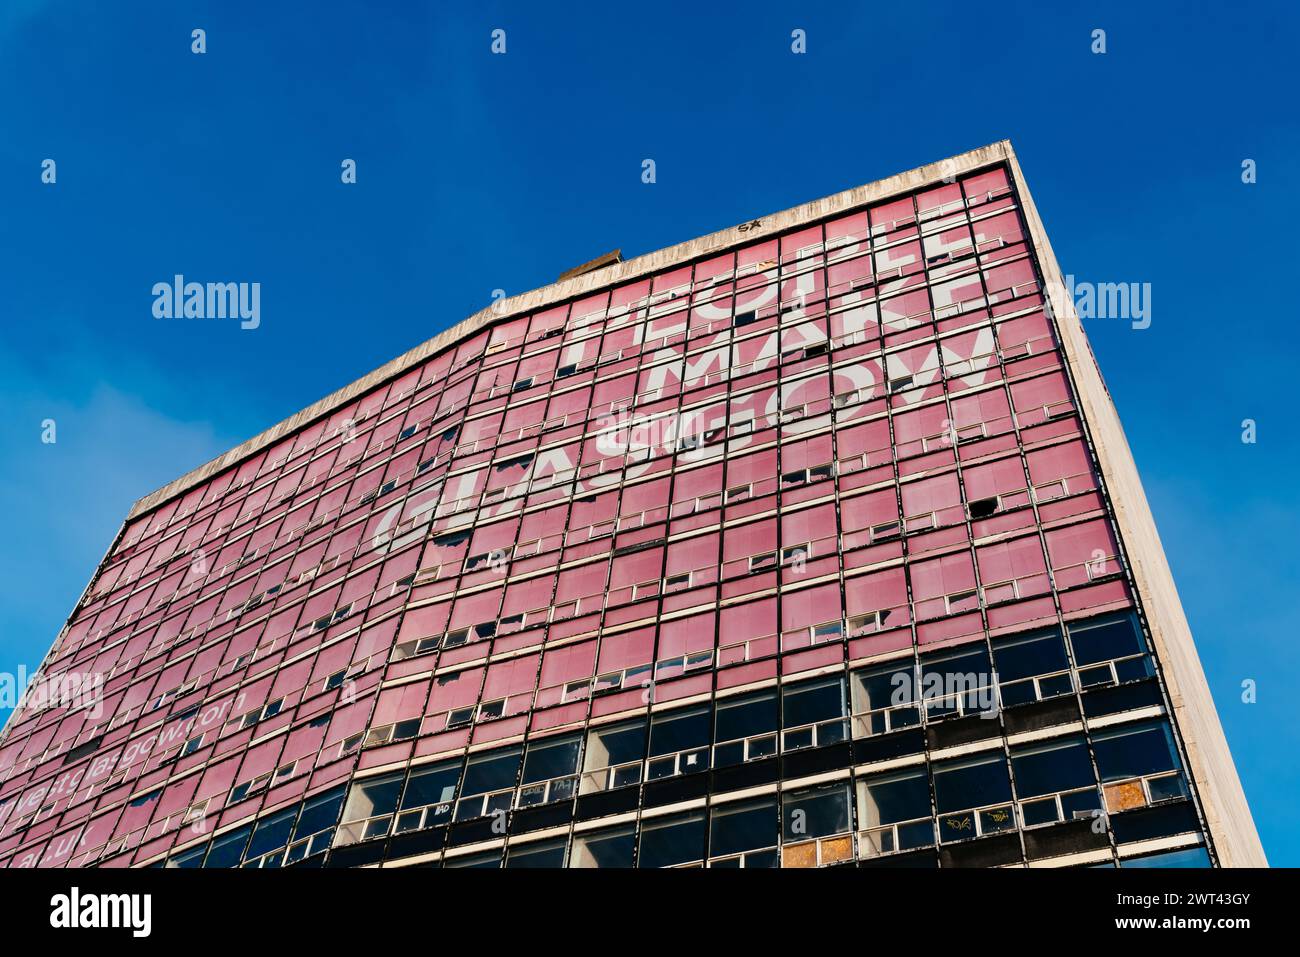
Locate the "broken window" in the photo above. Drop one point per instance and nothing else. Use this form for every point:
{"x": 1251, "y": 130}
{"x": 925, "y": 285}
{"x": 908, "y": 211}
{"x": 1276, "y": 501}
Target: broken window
{"x": 613, "y": 757}
{"x": 369, "y": 808}
{"x": 894, "y": 812}
{"x": 744, "y": 834}
{"x": 489, "y": 784}
{"x": 973, "y": 798}
{"x": 550, "y": 770}
{"x": 884, "y": 699}
{"x": 679, "y": 743}
{"x": 813, "y": 714}
{"x": 745, "y": 728}
{"x": 957, "y": 682}
{"x": 1031, "y": 667}
{"x": 1055, "y": 782}
{"x": 1138, "y": 765}
{"x": 815, "y": 826}
{"x": 1109, "y": 650}
{"x": 427, "y": 799}
{"x": 672, "y": 841}
{"x": 610, "y": 848}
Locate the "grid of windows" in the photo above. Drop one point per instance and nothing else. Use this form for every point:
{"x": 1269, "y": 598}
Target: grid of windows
{"x": 808, "y": 456}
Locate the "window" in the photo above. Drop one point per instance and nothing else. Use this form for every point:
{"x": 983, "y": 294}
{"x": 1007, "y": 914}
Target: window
{"x": 538, "y": 854}
{"x": 1138, "y": 766}
{"x": 1109, "y": 650}
{"x": 1191, "y": 857}
{"x": 190, "y": 746}
{"x": 745, "y": 728}
{"x": 369, "y": 808}
{"x": 550, "y": 771}
{"x": 884, "y": 699}
{"x": 1031, "y": 667}
{"x": 679, "y": 743}
{"x": 973, "y": 798}
{"x": 426, "y": 800}
{"x": 812, "y": 714}
{"x": 611, "y": 848}
{"x": 815, "y": 825}
{"x": 957, "y": 683}
{"x": 983, "y": 508}
{"x": 270, "y": 834}
{"x": 335, "y": 680}
{"x": 315, "y": 828}
{"x": 894, "y": 813}
{"x": 744, "y": 834}
{"x": 1054, "y": 782}
{"x": 613, "y": 757}
{"x": 489, "y": 785}
{"x": 672, "y": 841}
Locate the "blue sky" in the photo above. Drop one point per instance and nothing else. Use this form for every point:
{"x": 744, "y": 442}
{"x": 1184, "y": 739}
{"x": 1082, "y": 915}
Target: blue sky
{"x": 478, "y": 172}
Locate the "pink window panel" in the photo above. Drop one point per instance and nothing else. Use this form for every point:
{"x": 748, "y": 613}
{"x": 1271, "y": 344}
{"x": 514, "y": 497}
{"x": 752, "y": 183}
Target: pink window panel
{"x": 692, "y": 555}
{"x": 932, "y": 502}
{"x": 1004, "y": 479}
{"x": 849, "y": 274}
{"x": 474, "y": 609}
{"x": 1061, "y": 470}
{"x": 943, "y": 586}
{"x": 549, "y": 319}
{"x": 876, "y": 601}
{"x": 571, "y": 403}
{"x": 810, "y": 606}
{"x": 946, "y": 244}
{"x": 945, "y": 200}
{"x": 424, "y": 622}
{"x": 459, "y": 690}
{"x": 593, "y": 510}
{"x": 905, "y": 311}
{"x": 1012, "y": 570}
{"x": 521, "y": 417}
{"x": 290, "y": 679}
{"x": 745, "y": 540}
{"x": 628, "y": 650}
{"x": 561, "y": 665}
{"x": 998, "y": 231}
{"x": 1082, "y": 553}
{"x": 750, "y": 469}
{"x": 809, "y": 525}
{"x": 685, "y": 636}
{"x": 870, "y": 517}
{"x": 636, "y": 569}
{"x": 865, "y": 445}
{"x": 1040, "y": 399}
{"x": 978, "y": 186}
{"x": 1026, "y": 336}
{"x": 957, "y": 295}
{"x": 579, "y": 583}
{"x": 981, "y": 414}
{"x": 401, "y": 703}
{"x": 927, "y": 429}
{"x": 508, "y": 679}
{"x": 805, "y": 454}
{"x": 543, "y": 524}
{"x": 747, "y": 631}
{"x": 1014, "y": 278}
{"x": 533, "y": 595}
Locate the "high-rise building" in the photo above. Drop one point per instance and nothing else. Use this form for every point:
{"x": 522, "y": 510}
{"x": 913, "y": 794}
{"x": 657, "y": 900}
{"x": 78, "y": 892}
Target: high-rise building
{"x": 813, "y": 541}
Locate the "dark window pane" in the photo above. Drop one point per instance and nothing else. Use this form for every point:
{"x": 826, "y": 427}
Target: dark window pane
{"x": 1062, "y": 767}
{"x": 892, "y": 799}
{"x": 541, "y": 854}
{"x": 1132, "y": 752}
{"x": 1106, "y": 639}
{"x": 319, "y": 814}
{"x": 672, "y": 841}
{"x": 271, "y": 833}
{"x": 961, "y": 786}
{"x": 228, "y": 850}
{"x": 435, "y": 785}
{"x": 815, "y": 813}
{"x": 373, "y": 797}
{"x": 604, "y": 849}
{"x": 1027, "y": 657}
{"x": 679, "y": 731}
{"x": 492, "y": 772}
{"x": 746, "y": 716}
{"x": 810, "y": 703}
{"x": 734, "y": 829}
{"x": 1192, "y": 857}
{"x": 551, "y": 758}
